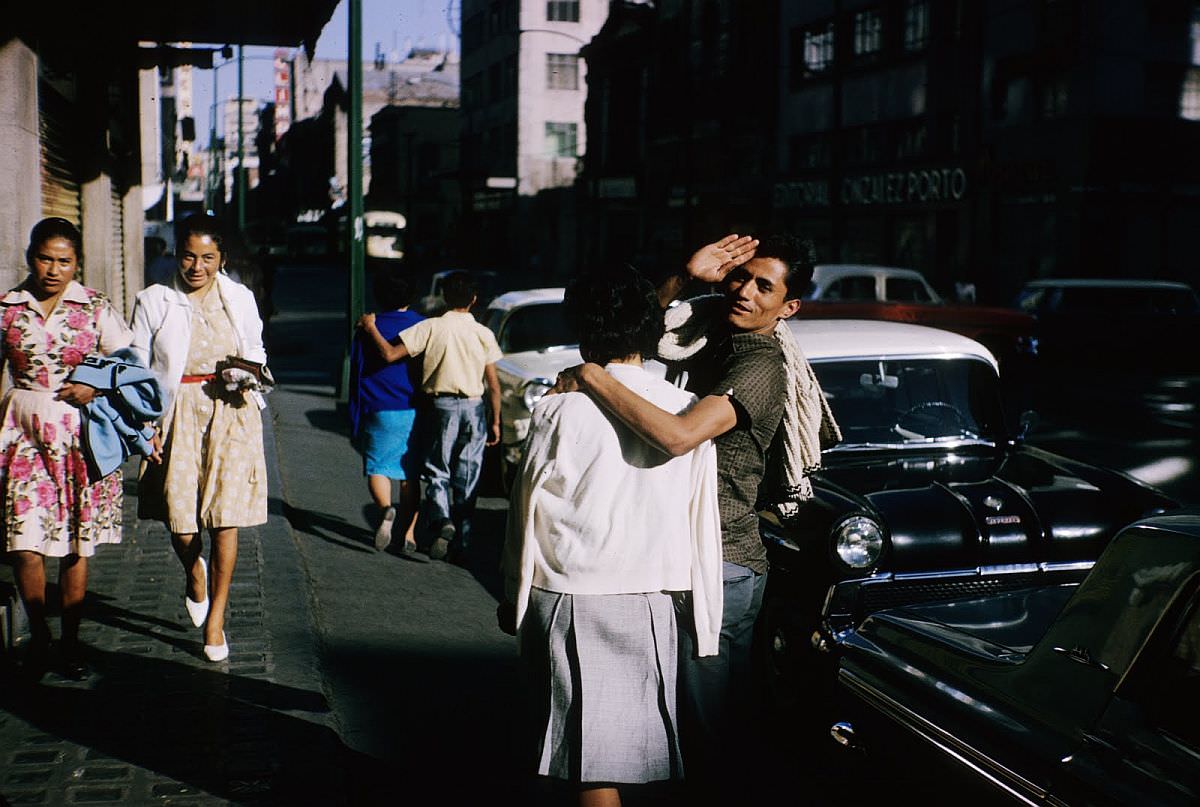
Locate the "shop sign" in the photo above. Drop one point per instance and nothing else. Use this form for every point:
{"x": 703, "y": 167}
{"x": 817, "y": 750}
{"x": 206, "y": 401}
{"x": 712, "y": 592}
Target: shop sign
{"x": 810, "y": 193}
{"x": 491, "y": 200}
{"x": 616, "y": 188}
{"x": 905, "y": 187}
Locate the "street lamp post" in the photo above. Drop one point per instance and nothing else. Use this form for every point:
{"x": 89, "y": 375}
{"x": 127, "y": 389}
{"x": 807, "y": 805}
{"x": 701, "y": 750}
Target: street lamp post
{"x": 355, "y": 302}
{"x": 241, "y": 168}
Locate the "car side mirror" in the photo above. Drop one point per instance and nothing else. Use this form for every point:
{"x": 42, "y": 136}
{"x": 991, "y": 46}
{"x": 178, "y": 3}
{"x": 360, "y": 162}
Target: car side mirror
{"x": 1028, "y": 422}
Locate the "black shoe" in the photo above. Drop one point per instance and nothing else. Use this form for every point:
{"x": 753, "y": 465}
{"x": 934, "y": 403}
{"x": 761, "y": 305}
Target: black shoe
{"x": 72, "y": 664}
{"x": 442, "y": 545}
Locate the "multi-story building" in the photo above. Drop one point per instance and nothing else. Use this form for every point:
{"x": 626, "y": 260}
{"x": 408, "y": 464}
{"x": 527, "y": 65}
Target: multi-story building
{"x": 523, "y": 131}
{"x": 427, "y": 78}
{"x": 249, "y": 142}
{"x": 986, "y": 142}
{"x": 681, "y": 118}
{"x": 414, "y": 170}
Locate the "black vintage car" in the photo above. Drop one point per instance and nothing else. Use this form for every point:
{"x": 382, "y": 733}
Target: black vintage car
{"x": 929, "y": 497}
{"x": 1049, "y": 695}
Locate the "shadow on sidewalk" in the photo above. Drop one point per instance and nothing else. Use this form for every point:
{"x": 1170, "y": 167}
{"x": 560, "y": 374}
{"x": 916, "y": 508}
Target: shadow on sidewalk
{"x": 326, "y": 527}
{"x": 207, "y": 729}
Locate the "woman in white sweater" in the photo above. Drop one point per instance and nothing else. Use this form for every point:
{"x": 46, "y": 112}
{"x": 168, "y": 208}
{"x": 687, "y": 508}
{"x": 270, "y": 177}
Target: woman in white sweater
{"x": 214, "y": 474}
{"x": 604, "y": 530}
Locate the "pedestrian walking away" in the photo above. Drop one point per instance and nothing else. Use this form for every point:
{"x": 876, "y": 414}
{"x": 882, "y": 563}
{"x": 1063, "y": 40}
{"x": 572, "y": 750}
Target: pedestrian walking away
{"x": 741, "y": 359}
{"x": 458, "y": 369}
{"x": 604, "y": 532}
{"x": 202, "y": 336}
{"x": 383, "y": 405}
{"x": 52, "y": 508}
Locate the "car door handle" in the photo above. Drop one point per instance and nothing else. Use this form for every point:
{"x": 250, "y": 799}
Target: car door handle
{"x": 1080, "y": 655}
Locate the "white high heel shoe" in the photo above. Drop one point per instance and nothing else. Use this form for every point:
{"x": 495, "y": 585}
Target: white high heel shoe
{"x": 198, "y": 611}
{"x": 217, "y": 652}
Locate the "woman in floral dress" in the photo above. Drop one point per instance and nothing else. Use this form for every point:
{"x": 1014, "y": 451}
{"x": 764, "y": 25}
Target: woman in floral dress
{"x": 50, "y": 507}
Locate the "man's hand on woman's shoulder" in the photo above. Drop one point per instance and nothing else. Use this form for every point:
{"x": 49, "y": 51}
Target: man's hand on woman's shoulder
{"x": 574, "y": 379}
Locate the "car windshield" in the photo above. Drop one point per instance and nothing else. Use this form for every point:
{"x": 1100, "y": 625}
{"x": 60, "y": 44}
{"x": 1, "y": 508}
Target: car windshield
{"x": 536, "y": 326}
{"x": 912, "y": 402}
{"x": 1119, "y": 300}
{"x": 906, "y": 290}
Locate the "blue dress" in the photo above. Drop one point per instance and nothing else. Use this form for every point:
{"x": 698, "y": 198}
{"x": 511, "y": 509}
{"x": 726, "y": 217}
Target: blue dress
{"x": 383, "y": 399}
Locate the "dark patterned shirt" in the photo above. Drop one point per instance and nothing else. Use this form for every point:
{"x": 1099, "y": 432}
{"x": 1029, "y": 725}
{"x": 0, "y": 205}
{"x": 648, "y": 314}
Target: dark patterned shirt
{"x": 748, "y": 367}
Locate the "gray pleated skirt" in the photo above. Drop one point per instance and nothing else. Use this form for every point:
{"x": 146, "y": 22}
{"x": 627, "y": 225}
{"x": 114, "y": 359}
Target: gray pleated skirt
{"x": 604, "y": 669}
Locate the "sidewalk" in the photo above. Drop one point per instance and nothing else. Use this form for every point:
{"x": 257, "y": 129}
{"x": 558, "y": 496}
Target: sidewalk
{"x": 158, "y": 724}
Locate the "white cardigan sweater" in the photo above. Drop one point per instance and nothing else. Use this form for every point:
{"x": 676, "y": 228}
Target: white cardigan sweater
{"x": 597, "y": 510}
{"x": 162, "y": 332}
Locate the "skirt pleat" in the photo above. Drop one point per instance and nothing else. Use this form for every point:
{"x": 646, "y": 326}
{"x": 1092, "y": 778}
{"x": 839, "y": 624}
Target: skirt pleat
{"x": 606, "y": 670}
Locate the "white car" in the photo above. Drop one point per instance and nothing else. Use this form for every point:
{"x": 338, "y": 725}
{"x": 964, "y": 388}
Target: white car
{"x": 847, "y": 282}
{"x": 537, "y": 343}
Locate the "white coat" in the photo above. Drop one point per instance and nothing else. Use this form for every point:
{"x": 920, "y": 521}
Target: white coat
{"x": 162, "y": 332}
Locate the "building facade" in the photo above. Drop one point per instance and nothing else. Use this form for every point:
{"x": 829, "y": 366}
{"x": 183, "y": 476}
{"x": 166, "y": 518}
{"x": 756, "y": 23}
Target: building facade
{"x": 681, "y": 113}
{"x": 523, "y": 129}
{"x": 69, "y": 147}
{"x": 988, "y": 142}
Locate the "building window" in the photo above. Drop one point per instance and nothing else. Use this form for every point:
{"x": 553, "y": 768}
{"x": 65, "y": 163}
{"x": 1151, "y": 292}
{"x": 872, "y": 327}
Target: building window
{"x": 1189, "y": 97}
{"x": 1189, "y": 94}
{"x": 812, "y": 50}
{"x": 916, "y": 25}
{"x": 562, "y": 10}
{"x": 1054, "y": 96}
{"x": 562, "y": 71}
{"x": 560, "y": 139}
{"x": 868, "y": 32}
{"x": 809, "y": 153}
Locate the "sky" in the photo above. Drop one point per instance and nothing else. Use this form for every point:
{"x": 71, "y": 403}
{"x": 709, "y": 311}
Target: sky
{"x": 393, "y": 24}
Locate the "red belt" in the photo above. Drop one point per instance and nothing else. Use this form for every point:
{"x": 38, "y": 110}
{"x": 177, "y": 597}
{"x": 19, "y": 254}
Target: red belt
{"x": 197, "y": 379}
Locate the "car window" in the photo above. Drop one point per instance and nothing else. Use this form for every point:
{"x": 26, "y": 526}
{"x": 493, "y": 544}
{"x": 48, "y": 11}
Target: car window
{"x": 1170, "y": 684}
{"x": 855, "y": 287}
{"x": 1031, "y": 300}
{"x": 536, "y": 326}
{"x": 905, "y": 290}
{"x": 493, "y": 319}
{"x": 912, "y": 401}
{"x": 1126, "y": 300}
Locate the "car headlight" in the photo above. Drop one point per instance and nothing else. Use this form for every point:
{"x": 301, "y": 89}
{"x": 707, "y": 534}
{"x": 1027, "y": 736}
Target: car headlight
{"x": 534, "y": 391}
{"x": 858, "y": 541}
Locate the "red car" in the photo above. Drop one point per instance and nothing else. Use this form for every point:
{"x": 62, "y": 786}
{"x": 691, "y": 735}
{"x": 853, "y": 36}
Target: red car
{"x": 857, "y": 291}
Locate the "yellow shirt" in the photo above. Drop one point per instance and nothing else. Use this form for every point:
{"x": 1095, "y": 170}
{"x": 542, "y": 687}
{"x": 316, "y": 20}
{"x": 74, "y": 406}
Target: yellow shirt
{"x": 456, "y": 348}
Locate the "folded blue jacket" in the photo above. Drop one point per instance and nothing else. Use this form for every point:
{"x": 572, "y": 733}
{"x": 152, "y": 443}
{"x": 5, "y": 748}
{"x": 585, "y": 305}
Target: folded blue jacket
{"x": 118, "y": 423}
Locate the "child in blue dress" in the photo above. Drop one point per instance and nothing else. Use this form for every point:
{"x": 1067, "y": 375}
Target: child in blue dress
{"x": 383, "y": 409}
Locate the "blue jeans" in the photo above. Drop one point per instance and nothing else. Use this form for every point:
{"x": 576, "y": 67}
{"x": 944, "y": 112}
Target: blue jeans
{"x": 715, "y": 691}
{"x": 457, "y": 435}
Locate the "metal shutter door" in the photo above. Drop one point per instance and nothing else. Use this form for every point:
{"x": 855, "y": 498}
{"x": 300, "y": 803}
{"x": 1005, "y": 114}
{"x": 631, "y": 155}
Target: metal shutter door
{"x": 60, "y": 156}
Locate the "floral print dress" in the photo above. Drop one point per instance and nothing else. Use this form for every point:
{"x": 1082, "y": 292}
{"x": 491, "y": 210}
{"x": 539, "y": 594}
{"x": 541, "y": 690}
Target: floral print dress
{"x": 49, "y": 505}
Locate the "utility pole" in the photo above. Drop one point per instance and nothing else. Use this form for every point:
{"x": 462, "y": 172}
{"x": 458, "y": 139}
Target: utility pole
{"x": 241, "y": 170}
{"x": 354, "y": 219}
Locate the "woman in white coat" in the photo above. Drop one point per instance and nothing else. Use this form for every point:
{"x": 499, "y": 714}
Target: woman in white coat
{"x": 214, "y": 471}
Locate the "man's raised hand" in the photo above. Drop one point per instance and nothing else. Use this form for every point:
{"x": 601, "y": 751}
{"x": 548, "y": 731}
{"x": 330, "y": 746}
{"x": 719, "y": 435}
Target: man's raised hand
{"x": 712, "y": 262}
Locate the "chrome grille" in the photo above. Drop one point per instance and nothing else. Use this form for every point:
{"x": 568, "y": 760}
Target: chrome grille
{"x": 898, "y": 593}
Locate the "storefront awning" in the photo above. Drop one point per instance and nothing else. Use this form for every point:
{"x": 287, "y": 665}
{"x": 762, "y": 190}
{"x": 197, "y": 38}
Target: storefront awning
{"x": 286, "y": 23}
